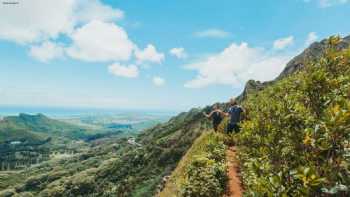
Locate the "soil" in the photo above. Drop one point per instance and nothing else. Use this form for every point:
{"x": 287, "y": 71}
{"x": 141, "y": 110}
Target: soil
{"x": 234, "y": 186}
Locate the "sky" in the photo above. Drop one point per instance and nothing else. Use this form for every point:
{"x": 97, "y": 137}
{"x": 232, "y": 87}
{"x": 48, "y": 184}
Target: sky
{"x": 152, "y": 54}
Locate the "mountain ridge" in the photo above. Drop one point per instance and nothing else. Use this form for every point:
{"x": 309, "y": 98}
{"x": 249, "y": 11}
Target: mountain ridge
{"x": 311, "y": 53}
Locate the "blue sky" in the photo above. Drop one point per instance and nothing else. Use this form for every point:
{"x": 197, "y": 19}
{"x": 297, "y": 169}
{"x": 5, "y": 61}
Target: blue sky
{"x": 152, "y": 54}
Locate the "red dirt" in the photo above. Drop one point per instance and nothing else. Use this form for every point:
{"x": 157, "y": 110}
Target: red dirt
{"x": 234, "y": 186}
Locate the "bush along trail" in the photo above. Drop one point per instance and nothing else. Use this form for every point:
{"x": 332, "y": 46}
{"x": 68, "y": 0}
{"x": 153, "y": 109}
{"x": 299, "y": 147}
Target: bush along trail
{"x": 295, "y": 141}
{"x": 209, "y": 169}
{"x": 202, "y": 172}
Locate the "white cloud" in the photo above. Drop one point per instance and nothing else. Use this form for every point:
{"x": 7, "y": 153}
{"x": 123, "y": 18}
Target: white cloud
{"x": 31, "y": 21}
{"x": 311, "y": 38}
{"x": 235, "y": 65}
{"x": 212, "y": 33}
{"x": 283, "y": 43}
{"x": 46, "y": 51}
{"x": 328, "y": 3}
{"x": 87, "y": 11}
{"x": 130, "y": 71}
{"x": 40, "y": 20}
{"x": 100, "y": 41}
{"x": 90, "y": 26}
{"x": 149, "y": 54}
{"x": 158, "y": 81}
{"x": 178, "y": 52}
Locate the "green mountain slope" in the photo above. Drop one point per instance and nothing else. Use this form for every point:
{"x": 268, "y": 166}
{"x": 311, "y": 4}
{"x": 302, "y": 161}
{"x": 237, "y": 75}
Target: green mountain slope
{"x": 26, "y": 140}
{"x": 115, "y": 167}
{"x": 9, "y": 134}
{"x": 140, "y": 170}
{"x": 296, "y": 139}
{"x": 313, "y": 53}
{"x": 202, "y": 169}
{"x": 39, "y": 125}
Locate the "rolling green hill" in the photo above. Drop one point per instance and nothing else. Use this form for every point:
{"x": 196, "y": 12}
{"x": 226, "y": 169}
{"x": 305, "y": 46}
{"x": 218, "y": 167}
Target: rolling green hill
{"x": 30, "y": 139}
{"x": 39, "y": 125}
{"x": 8, "y": 134}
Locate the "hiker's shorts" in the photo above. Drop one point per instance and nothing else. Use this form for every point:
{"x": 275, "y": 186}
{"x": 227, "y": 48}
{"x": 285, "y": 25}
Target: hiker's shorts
{"x": 216, "y": 126}
{"x": 233, "y": 127}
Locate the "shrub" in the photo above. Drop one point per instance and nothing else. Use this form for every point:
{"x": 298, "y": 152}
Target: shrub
{"x": 206, "y": 175}
{"x": 296, "y": 139}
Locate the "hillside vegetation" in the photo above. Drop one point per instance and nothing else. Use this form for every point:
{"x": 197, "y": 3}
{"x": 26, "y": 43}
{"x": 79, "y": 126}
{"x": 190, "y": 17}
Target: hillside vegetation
{"x": 202, "y": 171}
{"x": 112, "y": 167}
{"x": 27, "y": 140}
{"x": 39, "y": 125}
{"x": 295, "y": 141}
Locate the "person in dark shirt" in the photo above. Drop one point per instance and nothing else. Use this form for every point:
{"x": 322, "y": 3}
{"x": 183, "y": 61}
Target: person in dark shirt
{"x": 235, "y": 113}
{"x": 216, "y": 116}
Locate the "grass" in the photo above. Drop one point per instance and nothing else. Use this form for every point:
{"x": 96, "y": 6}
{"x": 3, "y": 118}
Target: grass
{"x": 177, "y": 178}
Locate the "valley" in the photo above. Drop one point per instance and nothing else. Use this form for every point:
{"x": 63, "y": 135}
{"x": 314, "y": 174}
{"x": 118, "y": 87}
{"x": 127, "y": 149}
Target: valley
{"x": 27, "y": 140}
{"x": 102, "y": 166}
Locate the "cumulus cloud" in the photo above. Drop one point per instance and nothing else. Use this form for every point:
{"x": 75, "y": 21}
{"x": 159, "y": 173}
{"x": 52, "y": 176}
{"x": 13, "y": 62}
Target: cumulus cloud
{"x": 46, "y": 51}
{"x": 87, "y": 27}
{"x": 283, "y": 43}
{"x": 129, "y": 71}
{"x": 149, "y": 54}
{"x": 38, "y": 20}
{"x": 158, "y": 81}
{"x": 212, "y": 33}
{"x": 178, "y": 52}
{"x": 328, "y": 3}
{"x": 235, "y": 65}
{"x": 95, "y": 10}
{"x": 34, "y": 20}
{"x": 100, "y": 41}
{"x": 311, "y": 37}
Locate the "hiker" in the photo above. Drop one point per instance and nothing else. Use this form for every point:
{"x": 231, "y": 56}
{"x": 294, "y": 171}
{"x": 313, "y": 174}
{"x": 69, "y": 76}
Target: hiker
{"x": 234, "y": 112}
{"x": 216, "y": 116}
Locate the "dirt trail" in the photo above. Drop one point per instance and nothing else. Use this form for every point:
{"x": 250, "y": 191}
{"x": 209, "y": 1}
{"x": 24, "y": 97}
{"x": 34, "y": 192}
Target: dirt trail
{"x": 234, "y": 186}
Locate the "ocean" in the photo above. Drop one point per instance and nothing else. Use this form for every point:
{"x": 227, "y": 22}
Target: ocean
{"x": 62, "y": 112}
